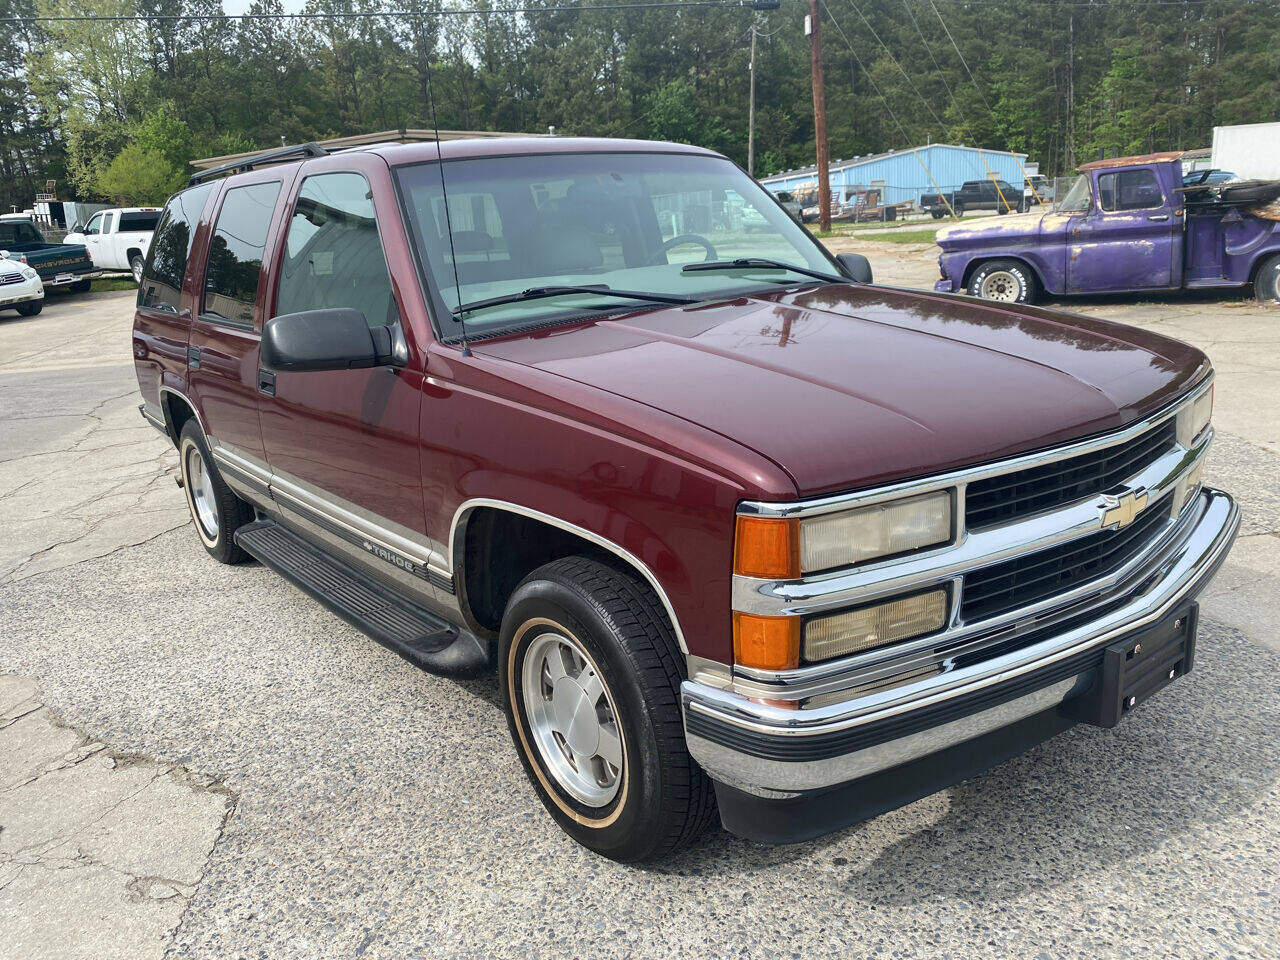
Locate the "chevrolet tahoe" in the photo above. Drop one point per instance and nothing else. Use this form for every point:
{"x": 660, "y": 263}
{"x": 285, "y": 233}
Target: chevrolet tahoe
{"x": 740, "y": 535}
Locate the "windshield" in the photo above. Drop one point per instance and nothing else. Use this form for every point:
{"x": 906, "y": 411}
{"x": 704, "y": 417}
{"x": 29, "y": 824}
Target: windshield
{"x": 628, "y": 221}
{"x": 1073, "y": 196}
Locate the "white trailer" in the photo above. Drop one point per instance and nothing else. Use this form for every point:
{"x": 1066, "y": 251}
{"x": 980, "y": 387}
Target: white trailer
{"x": 1251, "y": 151}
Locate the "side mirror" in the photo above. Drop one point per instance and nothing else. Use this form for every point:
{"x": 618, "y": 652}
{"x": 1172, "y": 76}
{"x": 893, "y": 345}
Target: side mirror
{"x": 335, "y": 339}
{"x": 75, "y": 227}
{"x": 855, "y": 266}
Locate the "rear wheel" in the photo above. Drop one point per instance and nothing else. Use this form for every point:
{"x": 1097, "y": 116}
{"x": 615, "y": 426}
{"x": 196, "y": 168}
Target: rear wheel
{"x": 80, "y": 286}
{"x": 216, "y": 512}
{"x": 1266, "y": 284}
{"x": 1004, "y": 281}
{"x": 590, "y": 678}
{"x": 30, "y": 309}
{"x": 135, "y": 266}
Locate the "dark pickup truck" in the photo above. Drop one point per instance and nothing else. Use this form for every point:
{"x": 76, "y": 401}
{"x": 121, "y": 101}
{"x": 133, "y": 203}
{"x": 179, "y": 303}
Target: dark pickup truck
{"x": 59, "y": 264}
{"x": 973, "y": 195}
{"x": 1126, "y": 225}
{"x": 736, "y": 531}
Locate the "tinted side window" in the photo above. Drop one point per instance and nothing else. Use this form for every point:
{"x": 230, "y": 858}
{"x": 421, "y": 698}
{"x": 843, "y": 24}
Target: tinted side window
{"x": 1129, "y": 190}
{"x": 333, "y": 256}
{"x": 235, "y": 251}
{"x": 142, "y": 220}
{"x": 167, "y": 259}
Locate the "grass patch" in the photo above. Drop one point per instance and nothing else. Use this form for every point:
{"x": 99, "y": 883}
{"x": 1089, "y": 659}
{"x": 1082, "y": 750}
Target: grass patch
{"x": 104, "y": 284}
{"x": 925, "y": 235}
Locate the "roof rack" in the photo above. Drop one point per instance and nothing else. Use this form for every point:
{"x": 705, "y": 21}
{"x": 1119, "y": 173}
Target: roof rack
{"x": 300, "y": 151}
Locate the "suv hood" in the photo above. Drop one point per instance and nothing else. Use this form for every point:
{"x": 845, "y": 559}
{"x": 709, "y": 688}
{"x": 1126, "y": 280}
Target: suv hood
{"x": 847, "y": 386}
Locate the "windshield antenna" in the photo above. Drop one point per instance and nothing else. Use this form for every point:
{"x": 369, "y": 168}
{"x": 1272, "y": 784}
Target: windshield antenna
{"x": 448, "y": 224}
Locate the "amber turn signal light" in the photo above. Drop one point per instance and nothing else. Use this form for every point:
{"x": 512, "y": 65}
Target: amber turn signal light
{"x": 768, "y": 548}
{"x": 766, "y": 643}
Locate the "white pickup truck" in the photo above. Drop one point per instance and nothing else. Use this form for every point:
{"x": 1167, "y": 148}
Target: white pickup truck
{"x": 118, "y": 239}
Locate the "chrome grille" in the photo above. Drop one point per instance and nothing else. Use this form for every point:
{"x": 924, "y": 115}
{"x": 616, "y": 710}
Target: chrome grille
{"x": 1011, "y": 496}
{"x": 8, "y": 278}
{"x": 1028, "y": 579}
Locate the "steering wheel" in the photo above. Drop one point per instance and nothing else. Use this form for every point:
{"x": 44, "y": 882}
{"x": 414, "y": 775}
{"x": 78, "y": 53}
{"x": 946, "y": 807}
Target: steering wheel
{"x": 681, "y": 239}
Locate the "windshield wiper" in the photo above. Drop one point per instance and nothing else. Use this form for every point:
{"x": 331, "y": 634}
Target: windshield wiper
{"x": 748, "y": 262}
{"x": 542, "y": 293}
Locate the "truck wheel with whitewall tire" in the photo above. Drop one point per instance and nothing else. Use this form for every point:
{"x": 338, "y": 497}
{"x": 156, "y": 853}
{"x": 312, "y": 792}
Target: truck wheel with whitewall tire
{"x": 1004, "y": 281}
{"x": 590, "y": 674}
{"x": 136, "y": 264}
{"x": 1266, "y": 283}
{"x": 216, "y": 512}
{"x": 30, "y": 309}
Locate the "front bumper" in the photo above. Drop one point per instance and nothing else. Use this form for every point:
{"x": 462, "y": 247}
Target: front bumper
{"x": 14, "y": 294}
{"x": 944, "y": 286}
{"x": 763, "y": 752}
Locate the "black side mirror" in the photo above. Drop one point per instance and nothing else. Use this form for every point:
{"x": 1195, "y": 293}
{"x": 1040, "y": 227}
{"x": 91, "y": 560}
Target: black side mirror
{"x": 855, "y": 266}
{"x": 335, "y": 339}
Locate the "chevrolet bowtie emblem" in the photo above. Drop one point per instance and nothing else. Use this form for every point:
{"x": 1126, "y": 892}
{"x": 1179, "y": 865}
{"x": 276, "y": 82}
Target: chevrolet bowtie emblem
{"x": 1119, "y": 510}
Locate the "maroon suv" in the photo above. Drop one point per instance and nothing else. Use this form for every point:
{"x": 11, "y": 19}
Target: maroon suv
{"x": 736, "y": 530}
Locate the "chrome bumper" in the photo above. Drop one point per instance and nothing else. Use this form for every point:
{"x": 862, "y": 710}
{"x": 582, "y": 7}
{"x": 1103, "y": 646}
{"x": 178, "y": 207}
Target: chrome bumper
{"x": 772, "y": 752}
{"x": 63, "y": 279}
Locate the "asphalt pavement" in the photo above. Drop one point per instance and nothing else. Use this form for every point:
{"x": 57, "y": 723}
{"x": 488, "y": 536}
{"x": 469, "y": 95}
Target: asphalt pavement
{"x": 198, "y": 761}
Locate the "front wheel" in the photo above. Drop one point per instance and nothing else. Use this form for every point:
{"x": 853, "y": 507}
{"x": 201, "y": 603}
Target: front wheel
{"x": 30, "y": 309}
{"x": 590, "y": 676}
{"x": 1005, "y": 281}
{"x": 938, "y": 214}
{"x": 1266, "y": 285}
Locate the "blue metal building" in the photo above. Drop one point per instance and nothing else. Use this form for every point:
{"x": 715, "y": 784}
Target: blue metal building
{"x": 903, "y": 172}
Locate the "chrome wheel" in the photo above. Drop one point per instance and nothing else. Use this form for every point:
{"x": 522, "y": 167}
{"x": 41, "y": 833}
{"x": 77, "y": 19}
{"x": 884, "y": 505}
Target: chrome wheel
{"x": 136, "y": 267}
{"x": 573, "y": 719}
{"x": 1000, "y": 285}
{"x": 203, "y": 498}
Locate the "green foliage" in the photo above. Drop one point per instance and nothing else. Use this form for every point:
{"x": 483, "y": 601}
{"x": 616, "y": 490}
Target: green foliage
{"x": 139, "y": 176}
{"x": 1055, "y": 79}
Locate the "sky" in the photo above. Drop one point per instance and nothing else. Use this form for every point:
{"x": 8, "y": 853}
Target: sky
{"x": 241, "y": 6}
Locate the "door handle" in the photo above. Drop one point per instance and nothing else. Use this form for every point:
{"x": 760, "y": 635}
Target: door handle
{"x": 193, "y": 358}
{"x": 266, "y": 382}
{"x": 1159, "y": 217}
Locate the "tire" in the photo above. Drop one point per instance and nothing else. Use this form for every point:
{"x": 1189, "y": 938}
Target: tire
{"x": 216, "y": 512}
{"x": 136, "y": 263}
{"x": 80, "y": 286}
{"x": 958, "y": 208}
{"x": 1004, "y": 281}
{"x": 1266, "y": 283}
{"x": 597, "y": 622}
{"x": 938, "y": 214}
{"x": 30, "y": 309}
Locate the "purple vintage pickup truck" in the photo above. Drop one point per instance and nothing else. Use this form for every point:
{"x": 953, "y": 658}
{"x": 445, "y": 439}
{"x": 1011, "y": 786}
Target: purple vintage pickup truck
{"x": 1125, "y": 225}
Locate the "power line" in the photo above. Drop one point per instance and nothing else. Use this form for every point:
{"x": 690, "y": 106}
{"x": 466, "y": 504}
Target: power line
{"x": 417, "y": 14}
{"x": 893, "y": 60}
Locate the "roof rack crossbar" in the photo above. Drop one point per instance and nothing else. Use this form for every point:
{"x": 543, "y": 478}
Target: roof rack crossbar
{"x": 299, "y": 151}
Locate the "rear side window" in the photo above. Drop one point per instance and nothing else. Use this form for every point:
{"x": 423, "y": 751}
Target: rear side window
{"x": 333, "y": 256}
{"x": 142, "y": 220}
{"x": 1129, "y": 190}
{"x": 170, "y": 247}
{"x": 235, "y": 252}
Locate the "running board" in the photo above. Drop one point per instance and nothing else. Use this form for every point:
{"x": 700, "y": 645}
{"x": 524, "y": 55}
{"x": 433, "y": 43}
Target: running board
{"x": 421, "y": 637}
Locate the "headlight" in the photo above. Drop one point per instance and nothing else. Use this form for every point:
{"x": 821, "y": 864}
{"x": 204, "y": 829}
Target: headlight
{"x": 1194, "y": 418}
{"x": 878, "y": 625}
{"x": 29, "y": 273}
{"x": 880, "y": 530}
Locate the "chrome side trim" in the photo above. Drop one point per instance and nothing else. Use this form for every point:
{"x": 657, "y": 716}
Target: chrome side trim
{"x": 842, "y": 501}
{"x": 151, "y": 418}
{"x": 379, "y": 538}
{"x": 1217, "y": 518}
{"x": 455, "y": 551}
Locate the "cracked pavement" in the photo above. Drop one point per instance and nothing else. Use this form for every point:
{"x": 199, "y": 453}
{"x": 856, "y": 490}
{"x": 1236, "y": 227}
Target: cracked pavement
{"x": 212, "y": 765}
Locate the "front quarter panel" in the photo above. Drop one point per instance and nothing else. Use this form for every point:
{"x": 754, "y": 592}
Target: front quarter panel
{"x": 1038, "y": 240}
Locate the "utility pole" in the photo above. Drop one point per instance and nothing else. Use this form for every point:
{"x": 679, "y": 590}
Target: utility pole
{"x": 751, "y": 109}
{"x": 819, "y": 117}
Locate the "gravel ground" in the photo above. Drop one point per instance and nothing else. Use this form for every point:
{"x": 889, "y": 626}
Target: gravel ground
{"x": 380, "y": 812}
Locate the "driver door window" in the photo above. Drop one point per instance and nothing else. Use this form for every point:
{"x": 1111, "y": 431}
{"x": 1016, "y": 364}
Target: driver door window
{"x": 333, "y": 255}
{"x": 94, "y": 227}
